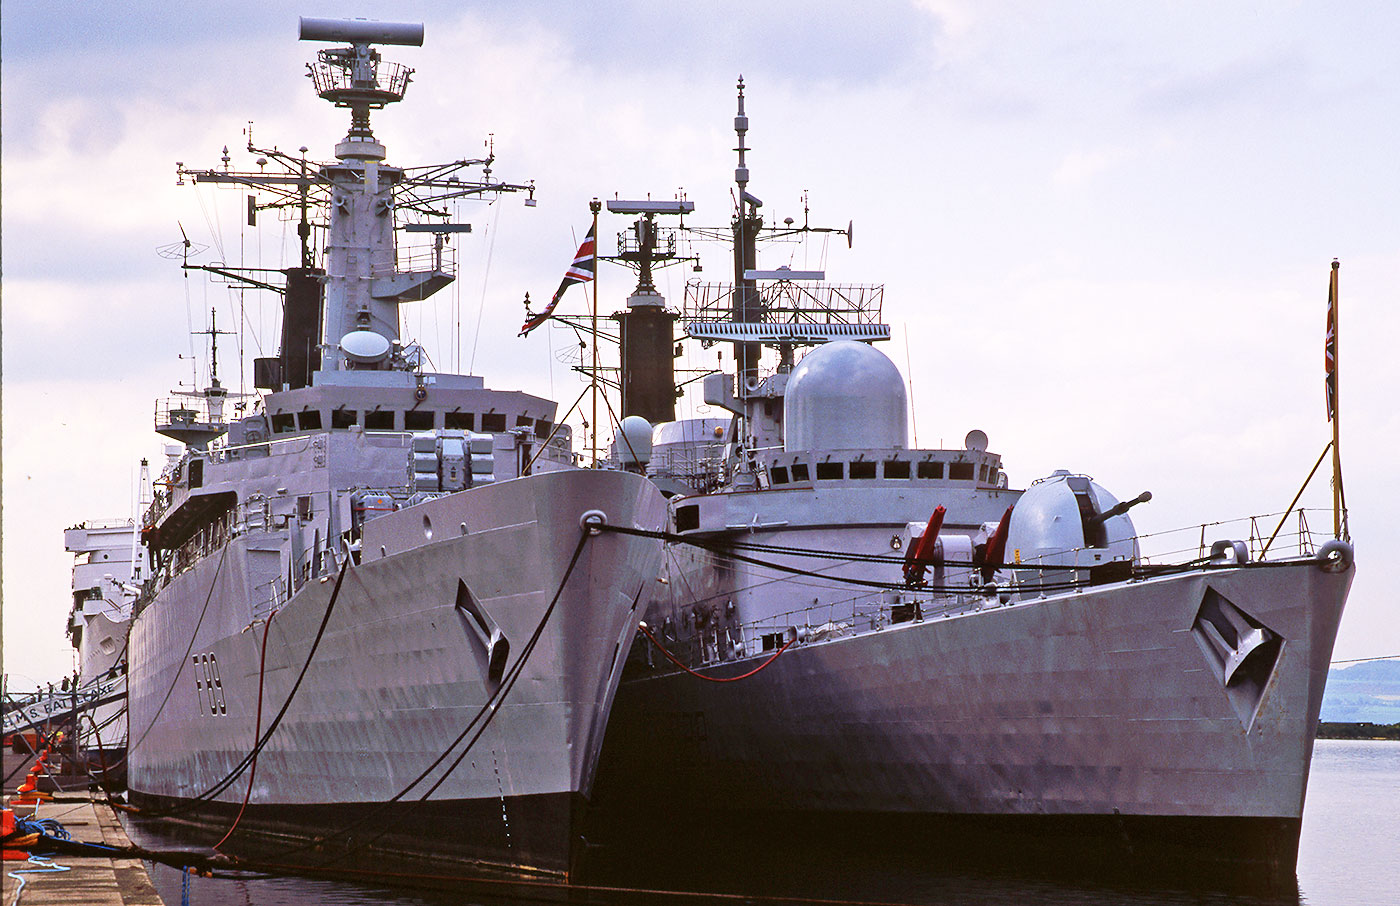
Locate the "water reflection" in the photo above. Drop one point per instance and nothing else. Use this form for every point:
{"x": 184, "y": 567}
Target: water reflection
{"x": 1351, "y": 832}
{"x": 721, "y": 873}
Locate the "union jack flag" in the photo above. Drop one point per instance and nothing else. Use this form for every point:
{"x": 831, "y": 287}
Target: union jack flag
{"x": 1330, "y": 346}
{"x": 581, "y": 271}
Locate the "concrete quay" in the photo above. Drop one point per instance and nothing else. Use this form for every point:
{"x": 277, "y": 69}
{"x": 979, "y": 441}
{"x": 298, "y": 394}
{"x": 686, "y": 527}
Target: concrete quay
{"x": 89, "y": 880}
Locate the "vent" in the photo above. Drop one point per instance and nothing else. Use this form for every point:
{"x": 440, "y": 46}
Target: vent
{"x": 1242, "y": 651}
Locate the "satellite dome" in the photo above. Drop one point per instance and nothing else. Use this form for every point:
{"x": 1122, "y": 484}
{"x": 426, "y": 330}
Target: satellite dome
{"x": 633, "y": 441}
{"x": 845, "y": 395}
{"x": 364, "y": 346}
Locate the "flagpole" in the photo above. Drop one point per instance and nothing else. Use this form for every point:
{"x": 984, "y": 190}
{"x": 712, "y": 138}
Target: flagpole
{"x": 1336, "y": 404}
{"x": 595, "y": 206}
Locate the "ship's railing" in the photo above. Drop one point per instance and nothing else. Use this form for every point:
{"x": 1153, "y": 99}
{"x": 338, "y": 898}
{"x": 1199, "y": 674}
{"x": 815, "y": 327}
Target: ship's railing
{"x": 276, "y": 446}
{"x": 161, "y": 498}
{"x": 269, "y": 597}
{"x": 103, "y": 524}
{"x": 188, "y": 412}
{"x": 855, "y": 615}
{"x": 333, "y": 76}
{"x": 424, "y": 258}
{"x": 700, "y": 467}
{"x": 1295, "y": 537}
{"x": 716, "y": 641}
{"x": 319, "y": 561}
{"x": 299, "y": 443}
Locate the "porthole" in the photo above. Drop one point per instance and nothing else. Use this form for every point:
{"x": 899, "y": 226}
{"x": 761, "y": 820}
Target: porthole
{"x": 427, "y": 528}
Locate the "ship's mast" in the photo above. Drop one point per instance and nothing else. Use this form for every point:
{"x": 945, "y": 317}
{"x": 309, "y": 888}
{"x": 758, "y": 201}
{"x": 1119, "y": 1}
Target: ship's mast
{"x": 345, "y": 317}
{"x": 747, "y": 304}
{"x": 179, "y": 419}
{"x": 646, "y": 330}
{"x": 360, "y": 245}
{"x": 782, "y": 307}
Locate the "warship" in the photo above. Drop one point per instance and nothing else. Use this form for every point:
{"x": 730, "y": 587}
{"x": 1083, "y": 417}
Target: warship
{"x": 108, "y": 569}
{"x": 862, "y": 641}
{"x": 380, "y": 611}
{"x": 108, "y": 565}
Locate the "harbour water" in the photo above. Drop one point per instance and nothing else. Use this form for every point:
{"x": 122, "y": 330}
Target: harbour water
{"x": 1348, "y": 857}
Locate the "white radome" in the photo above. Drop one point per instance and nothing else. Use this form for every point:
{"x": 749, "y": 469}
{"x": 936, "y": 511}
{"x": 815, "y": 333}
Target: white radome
{"x": 845, "y": 395}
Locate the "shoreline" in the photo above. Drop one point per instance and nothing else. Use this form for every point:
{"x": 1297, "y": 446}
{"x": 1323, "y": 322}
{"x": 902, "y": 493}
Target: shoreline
{"x": 1360, "y": 730}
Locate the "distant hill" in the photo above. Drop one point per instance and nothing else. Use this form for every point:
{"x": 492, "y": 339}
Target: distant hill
{"x": 1363, "y": 693}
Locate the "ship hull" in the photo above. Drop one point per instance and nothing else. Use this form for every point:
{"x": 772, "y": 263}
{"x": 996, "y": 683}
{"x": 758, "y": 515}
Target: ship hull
{"x": 518, "y": 834}
{"x": 101, "y": 672}
{"x": 400, "y": 674}
{"x": 1091, "y": 717}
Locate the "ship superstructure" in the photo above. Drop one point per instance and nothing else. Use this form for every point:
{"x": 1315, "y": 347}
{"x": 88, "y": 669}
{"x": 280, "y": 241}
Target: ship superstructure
{"x": 864, "y": 640}
{"x": 108, "y": 569}
{"x": 385, "y": 583}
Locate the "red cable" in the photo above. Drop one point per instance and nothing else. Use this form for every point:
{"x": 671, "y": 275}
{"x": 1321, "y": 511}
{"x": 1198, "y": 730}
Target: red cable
{"x": 257, "y": 731}
{"x": 712, "y": 679}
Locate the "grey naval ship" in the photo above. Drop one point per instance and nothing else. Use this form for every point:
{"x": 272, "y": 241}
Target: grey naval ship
{"x": 380, "y": 609}
{"x": 862, "y": 641}
{"x": 109, "y": 565}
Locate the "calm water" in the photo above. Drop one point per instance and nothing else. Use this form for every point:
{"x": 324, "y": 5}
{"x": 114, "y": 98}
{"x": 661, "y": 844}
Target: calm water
{"x": 1349, "y": 856}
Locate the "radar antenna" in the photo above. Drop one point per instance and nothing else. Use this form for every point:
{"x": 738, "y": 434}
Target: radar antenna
{"x": 356, "y": 77}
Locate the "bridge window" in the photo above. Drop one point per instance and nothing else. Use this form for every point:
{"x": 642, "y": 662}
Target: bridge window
{"x": 863, "y": 469}
{"x": 930, "y": 469}
{"x": 310, "y": 419}
{"x": 780, "y": 475}
{"x": 896, "y": 468}
{"x": 418, "y": 420}
{"x": 344, "y": 418}
{"x": 831, "y": 471}
{"x": 283, "y": 423}
{"x": 459, "y": 421}
{"x": 379, "y": 421}
{"x": 493, "y": 422}
{"x": 799, "y": 472}
{"x": 961, "y": 471}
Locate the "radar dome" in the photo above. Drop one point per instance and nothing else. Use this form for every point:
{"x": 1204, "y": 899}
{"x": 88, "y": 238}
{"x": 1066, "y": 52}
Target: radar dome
{"x": 633, "y": 441}
{"x": 845, "y": 395}
{"x": 364, "y": 346}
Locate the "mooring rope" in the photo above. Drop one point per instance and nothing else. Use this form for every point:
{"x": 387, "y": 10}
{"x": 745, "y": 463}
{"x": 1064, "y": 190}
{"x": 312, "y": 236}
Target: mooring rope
{"x": 646, "y": 630}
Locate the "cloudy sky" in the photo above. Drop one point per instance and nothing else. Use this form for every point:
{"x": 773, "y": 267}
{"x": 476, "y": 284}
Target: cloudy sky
{"x": 1104, "y": 229}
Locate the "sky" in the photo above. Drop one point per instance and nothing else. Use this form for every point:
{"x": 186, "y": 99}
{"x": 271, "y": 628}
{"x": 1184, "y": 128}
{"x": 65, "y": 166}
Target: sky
{"x": 1104, "y": 230}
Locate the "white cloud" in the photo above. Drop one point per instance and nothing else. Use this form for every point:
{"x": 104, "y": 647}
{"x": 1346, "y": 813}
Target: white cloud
{"x": 1079, "y": 167}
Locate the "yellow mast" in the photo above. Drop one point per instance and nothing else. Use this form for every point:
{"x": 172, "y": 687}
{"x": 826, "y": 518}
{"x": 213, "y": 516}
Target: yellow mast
{"x": 1334, "y": 377}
